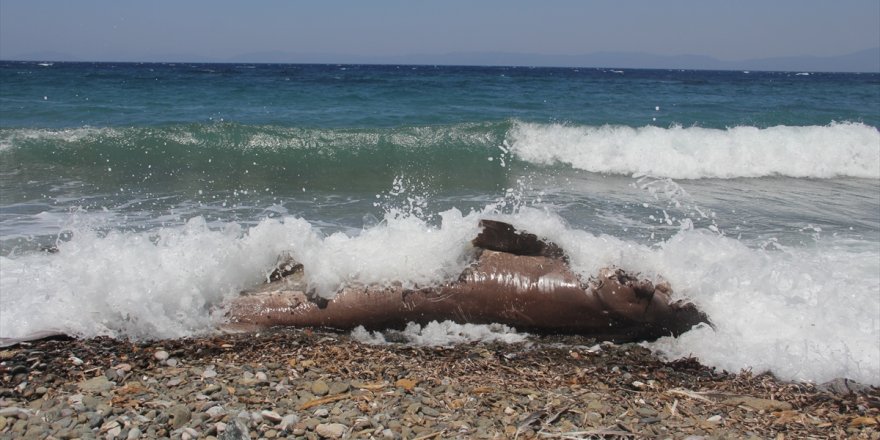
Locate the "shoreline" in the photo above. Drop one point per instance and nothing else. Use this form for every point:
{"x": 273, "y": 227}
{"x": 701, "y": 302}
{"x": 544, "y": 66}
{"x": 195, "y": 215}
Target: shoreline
{"x": 302, "y": 383}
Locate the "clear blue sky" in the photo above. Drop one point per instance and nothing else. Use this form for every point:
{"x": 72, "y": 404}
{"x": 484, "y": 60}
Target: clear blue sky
{"x": 728, "y": 30}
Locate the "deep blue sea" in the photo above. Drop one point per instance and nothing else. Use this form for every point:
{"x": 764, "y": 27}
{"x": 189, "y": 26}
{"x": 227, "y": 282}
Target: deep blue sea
{"x": 167, "y": 188}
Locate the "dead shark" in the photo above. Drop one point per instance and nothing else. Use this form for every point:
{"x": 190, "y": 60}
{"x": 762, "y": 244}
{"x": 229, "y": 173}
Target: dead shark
{"x": 516, "y": 279}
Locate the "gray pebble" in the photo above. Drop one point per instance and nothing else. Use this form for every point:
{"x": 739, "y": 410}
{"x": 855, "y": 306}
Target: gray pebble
{"x": 235, "y": 430}
{"x": 13, "y": 411}
{"x": 320, "y": 388}
{"x": 95, "y": 420}
{"x": 134, "y": 433}
{"x": 430, "y": 412}
{"x": 179, "y": 414}
{"x": 98, "y": 384}
{"x": 338, "y": 388}
{"x": 270, "y": 416}
{"x": 331, "y": 430}
{"x": 288, "y": 421}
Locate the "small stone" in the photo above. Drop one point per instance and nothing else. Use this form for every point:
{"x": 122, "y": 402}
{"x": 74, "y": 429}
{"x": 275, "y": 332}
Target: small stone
{"x": 215, "y": 412}
{"x": 14, "y": 411}
{"x": 40, "y": 391}
{"x": 19, "y": 426}
{"x": 161, "y": 355}
{"x": 134, "y": 433}
{"x": 714, "y": 419}
{"x": 171, "y": 362}
{"x": 209, "y": 373}
{"x": 95, "y": 420}
{"x": 270, "y": 416}
{"x": 111, "y": 425}
{"x": 180, "y": 414}
{"x": 311, "y": 423}
{"x": 288, "y": 421}
{"x": 338, "y": 388}
{"x": 125, "y": 368}
{"x": 331, "y": 430}
{"x": 646, "y": 412}
{"x": 387, "y": 434}
{"x": 2, "y": 422}
{"x": 98, "y": 384}
{"x": 321, "y": 412}
{"x": 320, "y": 388}
{"x": 211, "y": 389}
{"x": 235, "y": 430}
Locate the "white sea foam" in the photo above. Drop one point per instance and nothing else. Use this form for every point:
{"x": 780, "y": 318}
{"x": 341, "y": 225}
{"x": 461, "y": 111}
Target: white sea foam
{"x": 10, "y": 138}
{"x": 835, "y": 150}
{"x": 443, "y": 333}
{"x": 807, "y": 313}
{"x": 165, "y": 284}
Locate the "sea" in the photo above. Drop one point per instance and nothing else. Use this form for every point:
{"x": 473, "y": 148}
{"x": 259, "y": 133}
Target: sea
{"x": 136, "y": 198}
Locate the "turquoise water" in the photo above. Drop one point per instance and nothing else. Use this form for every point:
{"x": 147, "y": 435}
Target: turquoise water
{"x": 753, "y": 193}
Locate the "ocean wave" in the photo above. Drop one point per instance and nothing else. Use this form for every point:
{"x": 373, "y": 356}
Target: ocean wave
{"x": 849, "y": 149}
{"x": 221, "y": 156}
{"x": 258, "y": 137}
{"x": 835, "y": 150}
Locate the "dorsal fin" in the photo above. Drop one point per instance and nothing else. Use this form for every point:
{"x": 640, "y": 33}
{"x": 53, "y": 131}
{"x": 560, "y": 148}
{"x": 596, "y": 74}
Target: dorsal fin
{"x": 503, "y": 237}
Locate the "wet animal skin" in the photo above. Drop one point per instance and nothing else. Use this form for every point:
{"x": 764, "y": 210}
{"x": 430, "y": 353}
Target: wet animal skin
{"x": 517, "y": 279}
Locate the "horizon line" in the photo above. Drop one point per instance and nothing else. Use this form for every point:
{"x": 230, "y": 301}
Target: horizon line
{"x": 860, "y": 61}
{"x": 423, "y": 64}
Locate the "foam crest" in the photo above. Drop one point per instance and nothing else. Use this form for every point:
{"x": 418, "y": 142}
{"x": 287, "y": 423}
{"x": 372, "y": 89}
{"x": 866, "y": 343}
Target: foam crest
{"x": 835, "y": 150}
{"x": 400, "y": 249}
{"x": 806, "y": 313}
{"x": 142, "y": 285}
{"x": 167, "y": 283}
{"x": 10, "y": 138}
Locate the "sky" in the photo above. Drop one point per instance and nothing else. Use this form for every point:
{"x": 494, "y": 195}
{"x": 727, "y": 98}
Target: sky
{"x": 98, "y": 30}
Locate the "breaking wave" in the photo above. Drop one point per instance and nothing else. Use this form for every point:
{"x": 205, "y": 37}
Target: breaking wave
{"x": 836, "y": 150}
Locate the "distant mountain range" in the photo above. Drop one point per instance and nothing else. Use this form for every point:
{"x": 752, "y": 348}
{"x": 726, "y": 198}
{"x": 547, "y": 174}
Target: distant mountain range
{"x": 867, "y": 60}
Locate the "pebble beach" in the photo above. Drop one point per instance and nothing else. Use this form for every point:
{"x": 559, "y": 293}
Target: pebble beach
{"x": 310, "y": 384}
